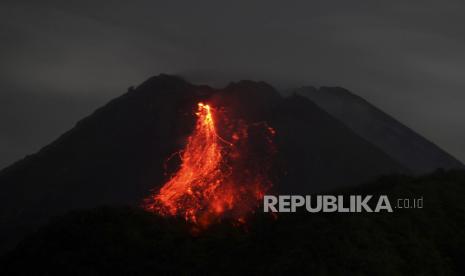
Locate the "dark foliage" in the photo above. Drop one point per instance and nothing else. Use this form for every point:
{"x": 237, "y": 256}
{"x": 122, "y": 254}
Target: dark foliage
{"x": 127, "y": 241}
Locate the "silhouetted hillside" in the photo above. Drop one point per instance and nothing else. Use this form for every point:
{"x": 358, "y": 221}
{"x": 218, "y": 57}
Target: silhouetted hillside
{"x": 126, "y": 241}
{"x": 117, "y": 154}
{"x": 318, "y": 153}
{"x": 398, "y": 141}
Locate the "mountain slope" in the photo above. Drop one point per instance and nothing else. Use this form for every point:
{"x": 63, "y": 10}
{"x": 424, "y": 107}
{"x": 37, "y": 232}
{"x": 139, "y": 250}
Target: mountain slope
{"x": 401, "y": 143}
{"x": 321, "y": 152}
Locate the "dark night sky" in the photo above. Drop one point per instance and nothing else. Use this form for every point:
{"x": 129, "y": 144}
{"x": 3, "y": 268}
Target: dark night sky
{"x": 60, "y": 59}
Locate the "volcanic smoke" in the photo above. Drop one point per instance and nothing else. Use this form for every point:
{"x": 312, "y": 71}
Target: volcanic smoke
{"x": 218, "y": 178}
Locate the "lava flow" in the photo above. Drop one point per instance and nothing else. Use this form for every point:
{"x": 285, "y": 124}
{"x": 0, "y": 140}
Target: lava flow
{"x": 218, "y": 178}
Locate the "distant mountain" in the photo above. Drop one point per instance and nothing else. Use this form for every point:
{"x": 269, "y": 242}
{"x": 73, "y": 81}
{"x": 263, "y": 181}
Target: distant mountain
{"x": 398, "y": 141}
{"x": 116, "y": 156}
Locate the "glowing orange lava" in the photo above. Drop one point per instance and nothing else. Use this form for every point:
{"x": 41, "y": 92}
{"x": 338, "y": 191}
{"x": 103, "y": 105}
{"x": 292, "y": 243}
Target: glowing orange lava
{"x": 215, "y": 178}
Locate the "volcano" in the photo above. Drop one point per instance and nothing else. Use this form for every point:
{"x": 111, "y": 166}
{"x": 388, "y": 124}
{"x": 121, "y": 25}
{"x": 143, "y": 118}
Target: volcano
{"x": 122, "y": 154}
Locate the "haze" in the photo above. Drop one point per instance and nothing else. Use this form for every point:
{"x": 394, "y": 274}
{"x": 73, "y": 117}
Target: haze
{"x": 61, "y": 60}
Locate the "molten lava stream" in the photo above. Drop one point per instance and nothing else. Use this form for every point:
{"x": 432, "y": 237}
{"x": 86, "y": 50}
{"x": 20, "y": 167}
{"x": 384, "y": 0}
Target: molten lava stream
{"x": 203, "y": 190}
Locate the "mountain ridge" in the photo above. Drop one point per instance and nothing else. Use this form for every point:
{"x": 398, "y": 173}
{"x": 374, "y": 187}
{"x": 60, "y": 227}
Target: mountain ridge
{"x": 396, "y": 139}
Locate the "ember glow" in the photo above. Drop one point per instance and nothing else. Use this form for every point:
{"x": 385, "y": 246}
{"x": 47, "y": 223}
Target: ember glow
{"x": 217, "y": 177}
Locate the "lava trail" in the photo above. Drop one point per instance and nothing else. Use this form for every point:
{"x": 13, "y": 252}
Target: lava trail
{"x": 216, "y": 178}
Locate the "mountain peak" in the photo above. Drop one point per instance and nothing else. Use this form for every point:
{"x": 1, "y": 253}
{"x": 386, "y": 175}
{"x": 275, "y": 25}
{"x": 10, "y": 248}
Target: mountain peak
{"x": 164, "y": 81}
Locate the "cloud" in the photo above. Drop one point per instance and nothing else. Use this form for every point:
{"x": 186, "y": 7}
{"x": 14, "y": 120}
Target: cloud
{"x": 405, "y": 56}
